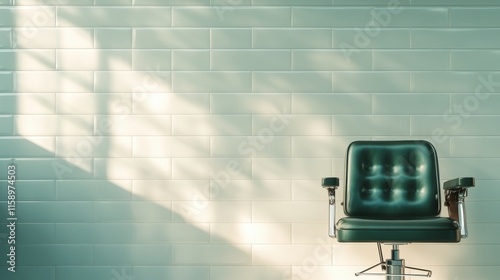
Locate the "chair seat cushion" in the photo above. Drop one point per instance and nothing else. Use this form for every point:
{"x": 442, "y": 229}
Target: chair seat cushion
{"x": 437, "y": 229}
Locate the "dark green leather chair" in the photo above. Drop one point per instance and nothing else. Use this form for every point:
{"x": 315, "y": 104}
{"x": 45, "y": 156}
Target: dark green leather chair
{"x": 392, "y": 195}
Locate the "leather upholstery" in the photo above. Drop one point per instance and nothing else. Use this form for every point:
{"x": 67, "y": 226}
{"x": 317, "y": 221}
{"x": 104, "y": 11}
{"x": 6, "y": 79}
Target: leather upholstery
{"x": 393, "y": 194}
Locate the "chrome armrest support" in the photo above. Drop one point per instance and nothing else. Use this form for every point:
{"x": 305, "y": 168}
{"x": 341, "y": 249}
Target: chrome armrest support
{"x": 331, "y": 184}
{"x": 456, "y": 191}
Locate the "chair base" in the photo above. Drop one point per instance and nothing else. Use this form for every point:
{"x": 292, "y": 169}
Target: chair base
{"x": 394, "y": 267}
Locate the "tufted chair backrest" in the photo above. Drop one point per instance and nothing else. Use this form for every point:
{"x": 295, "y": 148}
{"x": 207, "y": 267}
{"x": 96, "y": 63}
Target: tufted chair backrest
{"x": 392, "y": 180}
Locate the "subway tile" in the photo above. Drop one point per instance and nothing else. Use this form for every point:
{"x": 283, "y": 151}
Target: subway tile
{"x": 361, "y": 82}
{"x": 6, "y": 82}
{"x": 172, "y": 272}
{"x": 27, "y": 60}
{"x": 411, "y": 60}
{"x": 212, "y": 254}
{"x": 450, "y": 255}
{"x": 249, "y": 272}
{"x": 286, "y": 212}
{"x": 211, "y": 168}
{"x": 93, "y": 190}
{"x": 133, "y": 168}
{"x": 475, "y": 147}
{"x": 172, "y": 233}
{"x": 54, "y": 255}
{"x": 322, "y": 146}
{"x": 6, "y": 125}
{"x": 175, "y": 190}
{"x": 28, "y": 103}
{"x": 132, "y": 212}
{"x": 266, "y": 145}
{"x": 455, "y": 38}
{"x": 93, "y": 146}
{"x": 51, "y": 169}
{"x": 231, "y": 16}
{"x": 479, "y": 60}
{"x": 441, "y": 144}
{"x": 292, "y": 82}
{"x": 371, "y": 125}
{"x": 54, "y": 212}
{"x": 199, "y": 210}
{"x": 231, "y": 38}
{"x": 6, "y": 38}
{"x": 132, "y": 81}
{"x": 453, "y": 81}
{"x": 171, "y": 103}
{"x": 331, "y": 17}
{"x": 93, "y": 103}
{"x": 256, "y": 60}
{"x": 410, "y": 104}
{"x": 331, "y": 60}
{"x": 6, "y": 2}
{"x": 51, "y": 125}
{"x": 113, "y": 2}
{"x": 172, "y": 38}
{"x": 487, "y": 192}
{"x": 131, "y": 254}
{"x": 53, "y": 38}
{"x": 479, "y": 168}
{"x": 210, "y": 82}
{"x": 479, "y": 103}
{"x": 113, "y": 16}
{"x": 291, "y": 125}
{"x": 93, "y": 272}
{"x": 133, "y": 125}
{"x": 191, "y": 60}
{"x": 53, "y": 81}
{"x": 45, "y": 233}
{"x": 171, "y": 147}
{"x": 290, "y": 168}
{"x": 29, "y": 147}
{"x": 307, "y": 190}
{"x": 295, "y": 38}
{"x": 291, "y": 254}
{"x": 54, "y": 2}
{"x": 250, "y": 190}
{"x": 249, "y": 103}
{"x": 94, "y": 60}
{"x": 475, "y": 17}
{"x": 250, "y": 233}
{"x": 411, "y": 17}
{"x": 204, "y": 125}
{"x": 448, "y": 124}
{"x": 353, "y": 41}
{"x": 28, "y": 17}
{"x": 113, "y": 38}
{"x": 455, "y": 3}
{"x": 332, "y": 104}
{"x": 172, "y": 2}
{"x": 292, "y": 2}
{"x": 309, "y": 232}
{"x": 152, "y": 60}
{"x": 38, "y": 190}
{"x": 29, "y": 272}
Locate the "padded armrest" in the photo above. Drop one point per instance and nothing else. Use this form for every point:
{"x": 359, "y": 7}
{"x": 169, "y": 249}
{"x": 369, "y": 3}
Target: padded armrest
{"x": 329, "y": 182}
{"x": 457, "y": 183}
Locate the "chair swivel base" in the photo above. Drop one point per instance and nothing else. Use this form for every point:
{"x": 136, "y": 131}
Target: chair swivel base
{"x": 394, "y": 267}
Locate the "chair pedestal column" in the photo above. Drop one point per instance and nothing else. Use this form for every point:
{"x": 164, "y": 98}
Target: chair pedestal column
{"x": 395, "y": 265}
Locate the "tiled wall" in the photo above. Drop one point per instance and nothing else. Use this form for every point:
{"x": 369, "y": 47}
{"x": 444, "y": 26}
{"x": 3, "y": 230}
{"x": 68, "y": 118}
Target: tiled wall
{"x": 186, "y": 139}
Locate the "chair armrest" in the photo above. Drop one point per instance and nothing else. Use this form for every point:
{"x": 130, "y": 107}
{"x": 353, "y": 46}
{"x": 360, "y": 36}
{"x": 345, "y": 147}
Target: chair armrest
{"x": 331, "y": 184}
{"x": 456, "y": 191}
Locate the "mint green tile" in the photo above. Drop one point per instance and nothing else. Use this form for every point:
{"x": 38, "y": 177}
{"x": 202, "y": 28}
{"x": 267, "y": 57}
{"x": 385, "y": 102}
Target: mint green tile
{"x": 152, "y": 233}
{"x": 262, "y": 146}
{"x": 54, "y": 212}
{"x": 6, "y": 82}
{"x": 113, "y": 38}
{"x": 54, "y": 2}
{"x": 483, "y": 103}
{"x": 353, "y": 40}
{"x": 411, "y": 60}
{"x": 173, "y": 272}
{"x": 475, "y": 17}
{"x": 222, "y": 104}
{"x": 332, "y": 104}
{"x": 454, "y": 81}
{"x": 81, "y": 190}
{"x": 95, "y": 273}
{"x": 231, "y": 16}
{"x": 113, "y": 16}
{"x": 292, "y": 125}
{"x": 171, "y": 2}
{"x": 331, "y": 60}
{"x": 5, "y": 39}
{"x": 330, "y": 17}
{"x": 6, "y": 2}
{"x": 456, "y": 38}
{"x": 112, "y": 2}
{"x": 410, "y": 104}
{"x": 26, "y": 147}
{"x": 137, "y": 255}
{"x": 29, "y": 272}
{"x": 212, "y": 254}
{"x": 448, "y": 124}
{"x": 75, "y": 233}
{"x": 139, "y": 212}
{"x": 292, "y": 2}
{"x": 35, "y": 233}
{"x": 212, "y": 82}
{"x": 363, "y": 82}
{"x": 7, "y": 17}
{"x": 411, "y": 17}
{"x": 152, "y": 60}
{"x": 292, "y": 82}
{"x": 371, "y": 125}
{"x": 475, "y": 147}
{"x": 475, "y": 60}
{"x": 33, "y": 191}
{"x": 212, "y": 125}
{"x": 172, "y": 38}
{"x": 54, "y": 254}
{"x": 6, "y": 125}
{"x": 391, "y": 4}
{"x": 231, "y": 38}
{"x": 294, "y": 38}
{"x": 190, "y": 60}
{"x": 455, "y": 3}
{"x": 52, "y": 169}
{"x": 250, "y": 60}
